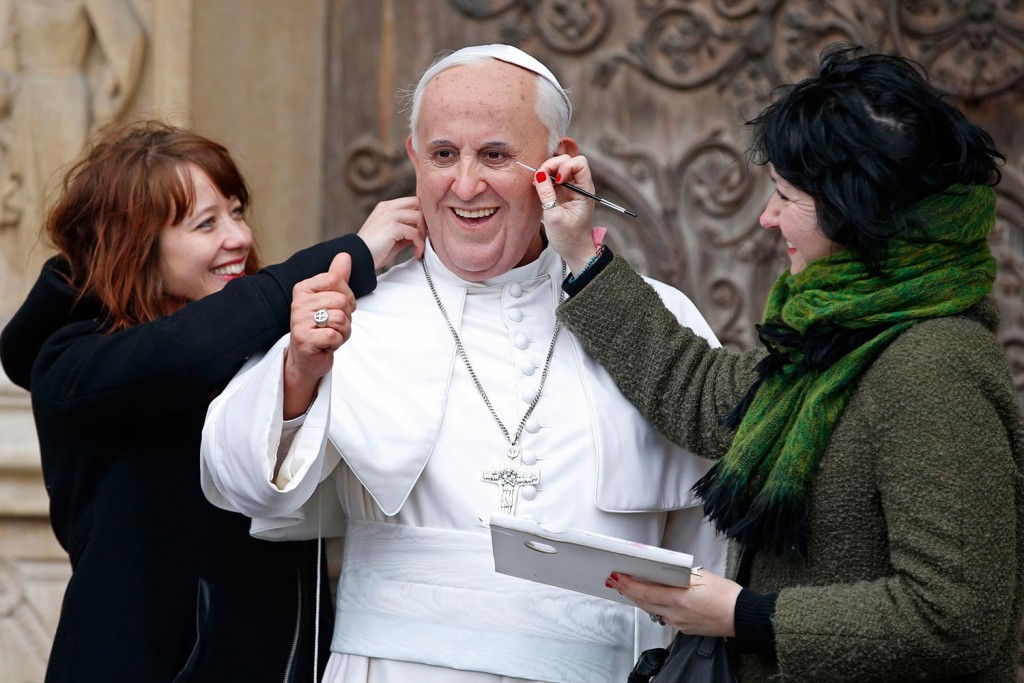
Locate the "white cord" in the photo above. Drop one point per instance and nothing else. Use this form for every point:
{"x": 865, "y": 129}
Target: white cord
{"x": 316, "y": 610}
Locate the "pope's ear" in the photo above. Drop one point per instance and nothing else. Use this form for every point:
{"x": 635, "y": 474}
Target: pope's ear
{"x": 409, "y": 150}
{"x": 567, "y": 146}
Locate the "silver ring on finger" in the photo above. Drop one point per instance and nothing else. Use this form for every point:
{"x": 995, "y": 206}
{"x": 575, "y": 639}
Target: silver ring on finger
{"x": 549, "y": 205}
{"x": 656, "y": 618}
{"x": 321, "y": 317}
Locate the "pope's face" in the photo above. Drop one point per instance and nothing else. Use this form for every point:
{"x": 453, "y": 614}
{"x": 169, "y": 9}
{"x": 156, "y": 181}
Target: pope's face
{"x": 481, "y": 210}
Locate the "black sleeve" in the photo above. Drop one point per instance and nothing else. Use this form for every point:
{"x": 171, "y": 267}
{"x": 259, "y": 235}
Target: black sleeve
{"x": 574, "y": 285}
{"x": 49, "y": 306}
{"x": 317, "y": 259}
{"x": 755, "y": 633}
{"x": 183, "y": 359}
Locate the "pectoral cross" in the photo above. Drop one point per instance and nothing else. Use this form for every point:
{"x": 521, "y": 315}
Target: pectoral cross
{"x": 509, "y": 478}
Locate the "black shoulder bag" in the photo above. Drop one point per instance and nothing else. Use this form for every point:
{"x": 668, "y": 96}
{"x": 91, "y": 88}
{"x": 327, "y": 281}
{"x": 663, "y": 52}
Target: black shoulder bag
{"x": 689, "y": 659}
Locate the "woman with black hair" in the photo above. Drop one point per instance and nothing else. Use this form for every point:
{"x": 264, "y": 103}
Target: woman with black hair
{"x": 869, "y": 458}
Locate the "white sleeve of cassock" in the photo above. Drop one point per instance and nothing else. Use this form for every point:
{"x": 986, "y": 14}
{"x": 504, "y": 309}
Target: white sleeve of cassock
{"x": 241, "y": 441}
{"x": 687, "y": 531}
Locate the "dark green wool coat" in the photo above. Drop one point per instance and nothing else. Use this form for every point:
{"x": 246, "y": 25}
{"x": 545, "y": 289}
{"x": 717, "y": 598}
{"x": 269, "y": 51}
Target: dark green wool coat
{"x": 914, "y": 562}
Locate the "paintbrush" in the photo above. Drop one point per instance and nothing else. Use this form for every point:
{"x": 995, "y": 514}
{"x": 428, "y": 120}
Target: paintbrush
{"x": 599, "y": 200}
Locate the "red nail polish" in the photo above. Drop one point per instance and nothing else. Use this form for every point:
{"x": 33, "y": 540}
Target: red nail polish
{"x": 608, "y": 584}
{"x": 615, "y": 577}
{"x": 558, "y": 178}
{"x": 541, "y": 176}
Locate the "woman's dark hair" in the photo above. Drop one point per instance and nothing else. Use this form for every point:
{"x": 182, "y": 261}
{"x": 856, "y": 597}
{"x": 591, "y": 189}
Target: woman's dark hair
{"x": 868, "y": 138}
{"x": 117, "y": 199}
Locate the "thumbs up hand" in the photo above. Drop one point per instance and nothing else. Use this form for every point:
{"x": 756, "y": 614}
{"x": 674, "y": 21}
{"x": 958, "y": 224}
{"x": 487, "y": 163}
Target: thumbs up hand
{"x": 321, "y": 321}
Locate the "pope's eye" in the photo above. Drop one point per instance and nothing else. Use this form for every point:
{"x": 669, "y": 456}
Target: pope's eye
{"x": 496, "y": 157}
{"x": 443, "y": 157}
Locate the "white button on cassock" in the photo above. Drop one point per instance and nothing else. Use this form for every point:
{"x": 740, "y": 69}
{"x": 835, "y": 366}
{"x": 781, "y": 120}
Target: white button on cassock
{"x": 533, "y": 425}
{"x": 529, "y": 492}
{"x": 527, "y": 367}
{"x": 521, "y": 342}
{"x": 529, "y": 458}
{"x": 529, "y": 395}
{"x": 515, "y": 315}
{"x": 515, "y": 289}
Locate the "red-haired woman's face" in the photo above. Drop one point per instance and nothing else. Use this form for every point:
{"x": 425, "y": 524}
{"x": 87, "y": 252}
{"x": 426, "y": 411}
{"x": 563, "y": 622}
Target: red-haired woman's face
{"x": 208, "y": 248}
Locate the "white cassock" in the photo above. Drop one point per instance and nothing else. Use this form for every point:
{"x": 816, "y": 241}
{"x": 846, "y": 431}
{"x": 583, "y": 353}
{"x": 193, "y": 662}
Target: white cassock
{"x": 391, "y": 455}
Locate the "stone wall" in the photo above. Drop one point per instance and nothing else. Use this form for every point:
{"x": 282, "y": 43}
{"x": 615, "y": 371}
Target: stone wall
{"x": 248, "y": 73}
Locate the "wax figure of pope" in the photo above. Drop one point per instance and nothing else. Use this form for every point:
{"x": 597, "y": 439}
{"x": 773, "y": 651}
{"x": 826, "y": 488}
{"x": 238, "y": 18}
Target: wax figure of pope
{"x": 393, "y": 442}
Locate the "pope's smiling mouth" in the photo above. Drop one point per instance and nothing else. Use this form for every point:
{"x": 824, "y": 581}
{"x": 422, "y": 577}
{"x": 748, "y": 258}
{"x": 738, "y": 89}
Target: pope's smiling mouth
{"x": 475, "y": 213}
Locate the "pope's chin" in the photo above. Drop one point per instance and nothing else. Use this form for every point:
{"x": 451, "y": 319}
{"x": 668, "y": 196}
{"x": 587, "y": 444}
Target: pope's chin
{"x": 474, "y": 259}
{"x": 482, "y": 233}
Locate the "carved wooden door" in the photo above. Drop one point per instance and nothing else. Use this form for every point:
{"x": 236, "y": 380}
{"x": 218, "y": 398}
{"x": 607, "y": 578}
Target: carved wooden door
{"x": 660, "y": 90}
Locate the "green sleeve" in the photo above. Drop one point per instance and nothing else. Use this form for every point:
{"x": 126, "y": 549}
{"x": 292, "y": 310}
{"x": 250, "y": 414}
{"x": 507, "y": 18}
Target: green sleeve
{"x": 680, "y": 384}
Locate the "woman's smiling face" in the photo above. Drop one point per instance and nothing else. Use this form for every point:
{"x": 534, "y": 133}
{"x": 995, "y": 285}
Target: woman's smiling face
{"x": 792, "y": 212}
{"x": 209, "y": 247}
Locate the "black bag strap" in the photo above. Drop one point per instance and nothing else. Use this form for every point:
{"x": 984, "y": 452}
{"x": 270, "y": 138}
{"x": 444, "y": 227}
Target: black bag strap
{"x": 648, "y": 665}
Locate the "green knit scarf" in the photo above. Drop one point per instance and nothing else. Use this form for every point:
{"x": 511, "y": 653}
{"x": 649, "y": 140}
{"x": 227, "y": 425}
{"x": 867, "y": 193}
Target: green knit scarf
{"x": 757, "y": 493}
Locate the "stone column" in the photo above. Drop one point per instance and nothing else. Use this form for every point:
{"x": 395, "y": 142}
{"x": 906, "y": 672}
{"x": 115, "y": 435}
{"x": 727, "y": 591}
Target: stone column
{"x": 33, "y": 567}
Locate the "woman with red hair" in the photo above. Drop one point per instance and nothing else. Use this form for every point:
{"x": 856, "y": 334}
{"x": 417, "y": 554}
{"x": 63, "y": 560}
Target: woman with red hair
{"x": 155, "y": 299}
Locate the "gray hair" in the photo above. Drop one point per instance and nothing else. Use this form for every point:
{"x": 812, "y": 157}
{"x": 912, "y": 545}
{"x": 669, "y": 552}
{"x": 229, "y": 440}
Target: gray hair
{"x": 551, "y": 106}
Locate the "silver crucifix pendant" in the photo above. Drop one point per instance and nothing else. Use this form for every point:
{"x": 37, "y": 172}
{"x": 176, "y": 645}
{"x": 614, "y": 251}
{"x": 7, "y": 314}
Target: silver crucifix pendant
{"x": 509, "y": 478}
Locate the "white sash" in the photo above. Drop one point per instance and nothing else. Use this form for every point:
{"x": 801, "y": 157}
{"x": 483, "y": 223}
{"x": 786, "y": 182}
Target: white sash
{"x": 432, "y": 596}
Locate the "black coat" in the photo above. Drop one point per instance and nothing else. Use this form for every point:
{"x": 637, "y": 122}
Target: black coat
{"x": 164, "y": 587}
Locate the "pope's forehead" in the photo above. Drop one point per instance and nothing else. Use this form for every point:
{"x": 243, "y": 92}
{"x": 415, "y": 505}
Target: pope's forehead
{"x": 493, "y": 82}
{"x": 481, "y": 104}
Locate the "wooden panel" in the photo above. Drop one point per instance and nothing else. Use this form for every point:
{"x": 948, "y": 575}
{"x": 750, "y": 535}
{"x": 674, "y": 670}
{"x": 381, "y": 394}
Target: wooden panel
{"x": 661, "y": 89}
